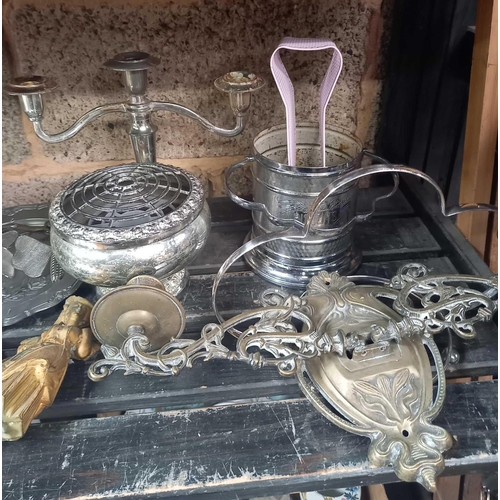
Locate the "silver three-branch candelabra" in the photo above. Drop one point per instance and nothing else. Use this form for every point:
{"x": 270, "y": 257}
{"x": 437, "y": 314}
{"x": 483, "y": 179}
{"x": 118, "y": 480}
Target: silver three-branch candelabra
{"x": 134, "y": 68}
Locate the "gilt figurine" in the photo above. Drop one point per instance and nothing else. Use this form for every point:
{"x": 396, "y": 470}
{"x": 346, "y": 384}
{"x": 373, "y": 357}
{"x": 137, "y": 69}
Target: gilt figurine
{"x": 31, "y": 378}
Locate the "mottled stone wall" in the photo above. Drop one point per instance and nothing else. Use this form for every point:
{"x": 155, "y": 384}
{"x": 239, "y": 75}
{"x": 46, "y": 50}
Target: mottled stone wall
{"x": 15, "y": 147}
{"x": 197, "y": 41}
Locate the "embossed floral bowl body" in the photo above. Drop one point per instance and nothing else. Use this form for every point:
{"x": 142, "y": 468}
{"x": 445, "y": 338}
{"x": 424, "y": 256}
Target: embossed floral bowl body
{"x": 128, "y": 220}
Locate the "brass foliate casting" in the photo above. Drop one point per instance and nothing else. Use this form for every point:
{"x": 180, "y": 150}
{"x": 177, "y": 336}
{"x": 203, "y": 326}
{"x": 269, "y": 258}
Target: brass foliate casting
{"x": 359, "y": 348}
{"x": 31, "y": 378}
{"x": 142, "y": 315}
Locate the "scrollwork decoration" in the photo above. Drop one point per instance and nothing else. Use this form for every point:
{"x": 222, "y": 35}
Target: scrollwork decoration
{"x": 445, "y": 301}
{"x": 273, "y": 332}
{"x": 358, "y": 349}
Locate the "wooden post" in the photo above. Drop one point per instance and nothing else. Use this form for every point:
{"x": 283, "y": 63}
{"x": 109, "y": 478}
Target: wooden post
{"x": 377, "y": 492}
{"x": 492, "y": 244}
{"x": 482, "y": 125}
{"x": 447, "y": 488}
{"x": 473, "y": 486}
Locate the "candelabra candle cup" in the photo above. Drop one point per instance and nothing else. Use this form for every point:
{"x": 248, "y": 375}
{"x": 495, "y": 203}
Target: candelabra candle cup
{"x": 283, "y": 195}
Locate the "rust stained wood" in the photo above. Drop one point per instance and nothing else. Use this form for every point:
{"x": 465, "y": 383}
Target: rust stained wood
{"x": 482, "y": 125}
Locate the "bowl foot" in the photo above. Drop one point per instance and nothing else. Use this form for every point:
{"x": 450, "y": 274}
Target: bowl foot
{"x": 174, "y": 283}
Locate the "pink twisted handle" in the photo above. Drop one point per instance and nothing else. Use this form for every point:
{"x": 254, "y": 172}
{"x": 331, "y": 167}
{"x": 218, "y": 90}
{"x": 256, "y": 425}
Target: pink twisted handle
{"x": 287, "y": 93}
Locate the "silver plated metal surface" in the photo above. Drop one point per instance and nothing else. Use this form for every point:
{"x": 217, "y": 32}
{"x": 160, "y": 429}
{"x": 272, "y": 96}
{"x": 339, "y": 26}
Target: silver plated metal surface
{"x": 56, "y": 271}
{"x": 129, "y": 220}
{"x": 283, "y": 195}
{"x": 311, "y": 226}
{"x": 133, "y": 67}
{"x": 127, "y": 203}
{"x": 174, "y": 284}
{"x": 22, "y": 295}
{"x": 339, "y": 184}
{"x": 359, "y": 351}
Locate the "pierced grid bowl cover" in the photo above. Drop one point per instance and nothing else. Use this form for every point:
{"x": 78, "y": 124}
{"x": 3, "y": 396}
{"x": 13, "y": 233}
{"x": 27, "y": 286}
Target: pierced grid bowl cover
{"x": 127, "y": 203}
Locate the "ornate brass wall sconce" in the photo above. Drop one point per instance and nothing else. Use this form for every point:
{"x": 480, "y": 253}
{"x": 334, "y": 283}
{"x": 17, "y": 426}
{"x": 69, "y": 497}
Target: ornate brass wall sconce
{"x": 360, "y": 354}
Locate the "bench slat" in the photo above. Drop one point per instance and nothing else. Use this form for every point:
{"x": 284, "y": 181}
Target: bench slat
{"x": 227, "y": 452}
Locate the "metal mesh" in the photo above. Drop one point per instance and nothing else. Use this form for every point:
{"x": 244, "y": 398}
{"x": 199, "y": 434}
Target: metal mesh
{"x": 125, "y": 196}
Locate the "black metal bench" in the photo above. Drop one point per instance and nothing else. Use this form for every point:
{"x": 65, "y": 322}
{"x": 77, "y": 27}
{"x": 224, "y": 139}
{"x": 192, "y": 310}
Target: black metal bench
{"x": 277, "y": 444}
